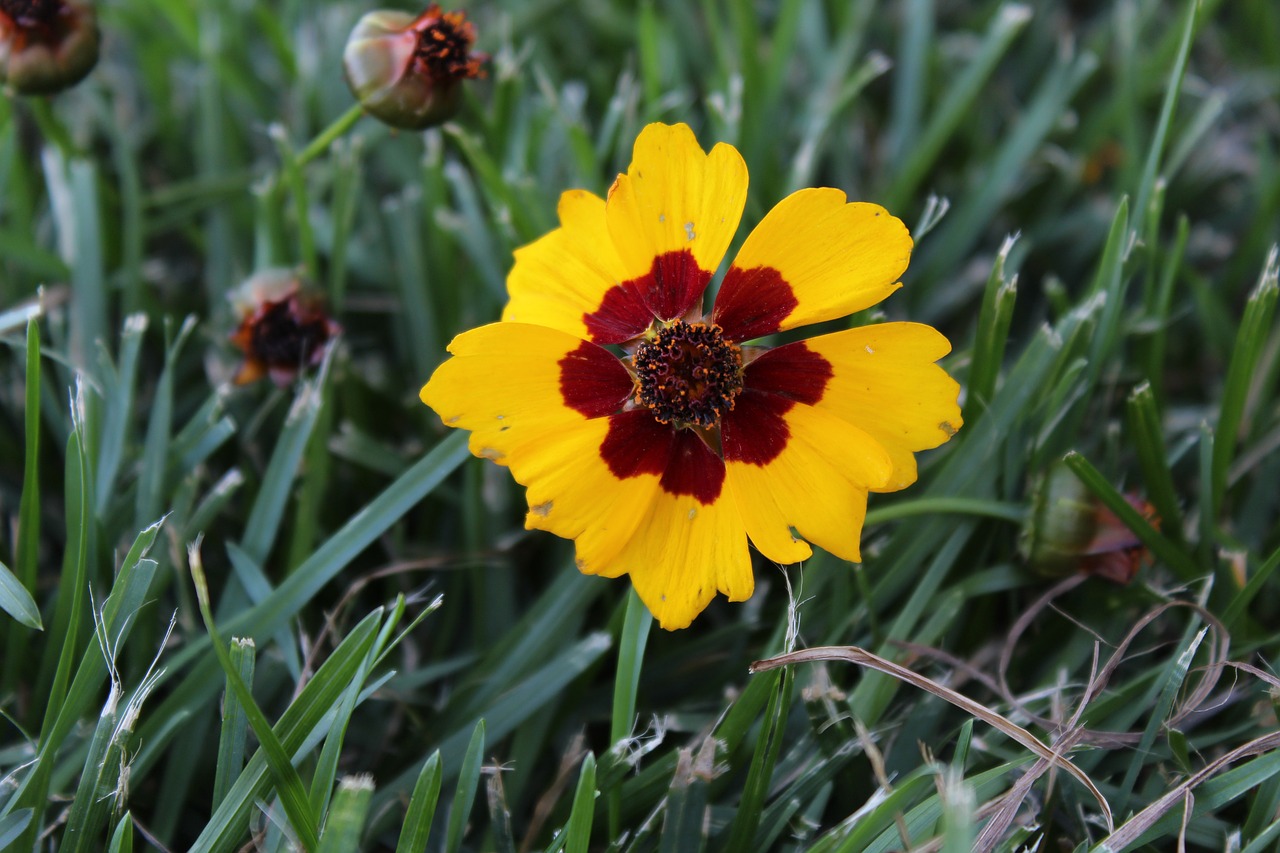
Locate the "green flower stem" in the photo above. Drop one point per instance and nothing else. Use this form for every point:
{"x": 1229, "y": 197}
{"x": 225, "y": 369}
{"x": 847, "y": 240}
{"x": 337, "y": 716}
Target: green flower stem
{"x": 329, "y": 135}
{"x": 52, "y": 128}
{"x": 635, "y": 634}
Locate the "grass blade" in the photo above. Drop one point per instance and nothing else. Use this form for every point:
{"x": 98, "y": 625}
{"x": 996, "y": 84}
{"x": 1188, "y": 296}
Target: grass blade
{"x": 468, "y": 783}
{"x": 416, "y": 828}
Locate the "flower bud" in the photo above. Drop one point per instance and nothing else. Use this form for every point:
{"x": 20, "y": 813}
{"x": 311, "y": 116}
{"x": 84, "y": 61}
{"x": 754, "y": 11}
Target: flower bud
{"x": 46, "y": 45}
{"x": 406, "y": 71}
{"x": 1072, "y": 531}
{"x": 283, "y": 330}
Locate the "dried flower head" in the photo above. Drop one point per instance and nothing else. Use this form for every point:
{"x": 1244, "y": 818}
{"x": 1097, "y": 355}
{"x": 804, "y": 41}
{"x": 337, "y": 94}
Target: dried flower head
{"x": 46, "y": 45}
{"x": 283, "y": 330}
{"x": 407, "y": 70}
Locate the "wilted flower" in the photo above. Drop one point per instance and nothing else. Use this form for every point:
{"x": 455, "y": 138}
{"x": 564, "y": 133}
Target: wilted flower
{"x": 283, "y": 329}
{"x": 1070, "y": 530}
{"x": 651, "y": 430}
{"x": 407, "y": 71}
{"x": 46, "y": 45}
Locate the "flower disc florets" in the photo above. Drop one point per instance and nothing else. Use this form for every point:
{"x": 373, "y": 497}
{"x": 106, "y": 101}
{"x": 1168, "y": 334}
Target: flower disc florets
{"x": 688, "y": 374}
{"x": 283, "y": 329}
{"x": 31, "y": 13}
{"x": 444, "y": 45}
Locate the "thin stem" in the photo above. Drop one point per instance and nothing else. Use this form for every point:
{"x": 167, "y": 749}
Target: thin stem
{"x": 326, "y": 137}
{"x": 52, "y": 128}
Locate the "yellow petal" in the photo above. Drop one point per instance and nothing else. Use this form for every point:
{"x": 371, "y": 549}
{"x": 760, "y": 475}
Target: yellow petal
{"x": 683, "y": 552}
{"x": 511, "y": 384}
{"x": 884, "y": 380}
{"x": 573, "y": 493}
{"x": 676, "y": 198}
{"x": 812, "y": 258}
{"x": 792, "y": 465}
{"x": 560, "y": 278}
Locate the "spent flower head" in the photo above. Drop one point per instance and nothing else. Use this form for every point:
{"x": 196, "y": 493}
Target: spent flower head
{"x": 661, "y": 436}
{"x": 283, "y": 329}
{"x": 407, "y": 70}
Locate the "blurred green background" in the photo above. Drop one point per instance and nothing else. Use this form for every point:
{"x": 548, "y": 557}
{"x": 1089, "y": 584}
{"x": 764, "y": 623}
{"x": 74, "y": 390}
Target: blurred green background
{"x": 1131, "y": 147}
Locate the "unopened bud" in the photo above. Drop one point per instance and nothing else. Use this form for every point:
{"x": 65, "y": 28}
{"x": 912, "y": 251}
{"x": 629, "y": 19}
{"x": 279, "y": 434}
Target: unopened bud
{"x": 407, "y": 71}
{"x": 1072, "y": 531}
{"x": 46, "y": 45}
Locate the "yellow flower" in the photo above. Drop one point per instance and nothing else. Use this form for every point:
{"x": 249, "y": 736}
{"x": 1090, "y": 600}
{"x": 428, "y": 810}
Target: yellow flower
{"x": 652, "y": 434}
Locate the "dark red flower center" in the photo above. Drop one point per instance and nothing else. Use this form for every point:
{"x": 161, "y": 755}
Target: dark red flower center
{"x": 33, "y": 15}
{"x": 444, "y": 45}
{"x": 287, "y": 335}
{"x": 688, "y": 374}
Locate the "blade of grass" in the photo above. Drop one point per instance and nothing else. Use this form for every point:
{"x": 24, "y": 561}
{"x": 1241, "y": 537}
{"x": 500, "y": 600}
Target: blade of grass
{"x": 1148, "y": 440}
{"x": 577, "y": 831}
{"x": 994, "y": 318}
{"x": 1174, "y": 557}
{"x": 465, "y": 795}
{"x": 151, "y": 480}
{"x": 1172, "y": 90}
{"x": 635, "y": 633}
{"x": 304, "y": 720}
{"x": 760, "y": 776}
{"x": 288, "y": 784}
{"x": 300, "y": 587}
{"x": 27, "y": 535}
{"x": 17, "y": 602}
{"x": 684, "y": 823}
{"x": 119, "y": 408}
{"x": 956, "y": 102}
{"x": 1251, "y": 589}
{"x": 416, "y": 828}
{"x": 1252, "y": 337}
{"x": 235, "y": 724}
{"x": 122, "y": 838}
{"x": 346, "y": 819}
{"x": 277, "y": 482}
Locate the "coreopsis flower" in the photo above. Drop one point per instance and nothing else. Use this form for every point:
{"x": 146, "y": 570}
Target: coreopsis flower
{"x": 1070, "y": 530}
{"x": 406, "y": 70}
{"x": 657, "y": 435}
{"x": 46, "y": 45}
{"x": 283, "y": 329}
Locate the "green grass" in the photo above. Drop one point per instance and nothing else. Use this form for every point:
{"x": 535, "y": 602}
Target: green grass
{"x": 307, "y": 618}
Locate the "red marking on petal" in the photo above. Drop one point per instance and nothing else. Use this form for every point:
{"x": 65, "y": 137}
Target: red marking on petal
{"x": 673, "y": 285}
{"x": 793, "y": 371}
{"x": 756, "y": 431}
{"x": 753, "y": 302}
{"x": 622, "y": 316}
{"x": 637, "y": 444}
{"x": 593, "y": 381}
{"x": 693, "y": 469}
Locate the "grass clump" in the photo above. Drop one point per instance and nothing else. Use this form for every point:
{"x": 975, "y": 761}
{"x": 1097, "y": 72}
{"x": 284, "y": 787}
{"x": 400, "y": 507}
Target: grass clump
{"x": 300, "y": 616}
